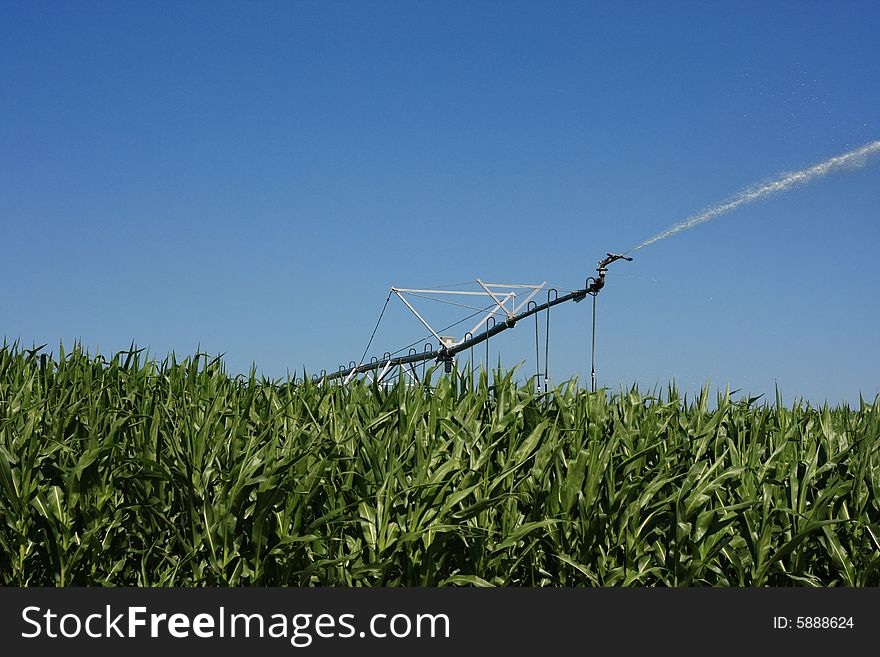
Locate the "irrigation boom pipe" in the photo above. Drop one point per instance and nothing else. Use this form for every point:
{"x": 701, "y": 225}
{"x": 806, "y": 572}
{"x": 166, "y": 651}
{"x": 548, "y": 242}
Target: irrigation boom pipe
{"x": 445, "y": 354}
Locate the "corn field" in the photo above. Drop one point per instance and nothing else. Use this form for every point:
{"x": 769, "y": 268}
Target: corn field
{"x": 131, "y": 471}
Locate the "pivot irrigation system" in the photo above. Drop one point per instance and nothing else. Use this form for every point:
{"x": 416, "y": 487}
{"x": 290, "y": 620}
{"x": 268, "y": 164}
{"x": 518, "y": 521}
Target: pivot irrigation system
{"x": 504, "y": 297}
{"x": 504, "y": 302}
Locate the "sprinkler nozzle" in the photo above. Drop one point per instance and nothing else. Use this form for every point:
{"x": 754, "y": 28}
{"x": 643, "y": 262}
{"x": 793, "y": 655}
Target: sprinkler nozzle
{"x": 599, "y": 282}
{"x": 603, "y": 264}
{"x": 611, "y": 258}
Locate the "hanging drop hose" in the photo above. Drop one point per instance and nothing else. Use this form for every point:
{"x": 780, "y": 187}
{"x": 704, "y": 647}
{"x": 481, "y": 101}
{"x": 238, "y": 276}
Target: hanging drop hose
{"x": 532, "y": 304}
{"x": 547, "y": 340}
{"x": 598, "y": 284}
{"x": 547, "y": 350}
{"x": 593, "y": 349}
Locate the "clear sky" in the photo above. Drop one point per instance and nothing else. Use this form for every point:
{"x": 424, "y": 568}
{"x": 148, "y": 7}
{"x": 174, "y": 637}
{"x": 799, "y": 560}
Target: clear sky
{"x": 251, "y": 177}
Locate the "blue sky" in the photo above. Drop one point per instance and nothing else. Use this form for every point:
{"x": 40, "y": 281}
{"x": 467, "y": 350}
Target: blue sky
{"x": 250, "y": 178}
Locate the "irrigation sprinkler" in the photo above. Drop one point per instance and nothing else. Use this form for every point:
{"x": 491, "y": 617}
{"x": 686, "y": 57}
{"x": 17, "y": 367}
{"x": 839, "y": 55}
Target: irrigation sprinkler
{"x": 504, "y": 298}
{"x": 503, "y": 311}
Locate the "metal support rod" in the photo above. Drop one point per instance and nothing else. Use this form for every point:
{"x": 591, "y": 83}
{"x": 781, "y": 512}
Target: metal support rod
{"x": 494, "y": 298}
{"x": 385, "y": 371}
{"x": 416, "y": 313}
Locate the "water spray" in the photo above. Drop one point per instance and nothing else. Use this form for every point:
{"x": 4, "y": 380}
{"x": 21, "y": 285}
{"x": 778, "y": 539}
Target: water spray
{"x": 855, "y": 158}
